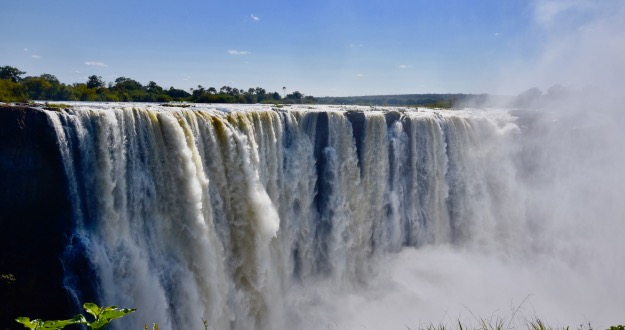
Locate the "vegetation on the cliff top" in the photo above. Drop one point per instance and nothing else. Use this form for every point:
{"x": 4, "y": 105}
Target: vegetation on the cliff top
{"x": 16, "y": 88}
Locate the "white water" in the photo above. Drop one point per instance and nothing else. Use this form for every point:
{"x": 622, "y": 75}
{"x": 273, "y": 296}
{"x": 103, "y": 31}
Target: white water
{"x": 250, "y": 217}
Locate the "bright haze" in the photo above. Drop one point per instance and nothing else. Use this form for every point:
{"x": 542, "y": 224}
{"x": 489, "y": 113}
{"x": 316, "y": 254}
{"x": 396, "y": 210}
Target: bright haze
{"x": 321, "y": 48}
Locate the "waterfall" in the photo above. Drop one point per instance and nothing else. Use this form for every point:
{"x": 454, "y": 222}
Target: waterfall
{"x": 231, "y": 214}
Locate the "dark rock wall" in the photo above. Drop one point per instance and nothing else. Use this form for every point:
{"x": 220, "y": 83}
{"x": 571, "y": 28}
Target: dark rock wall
{"x": 35, "y": 218}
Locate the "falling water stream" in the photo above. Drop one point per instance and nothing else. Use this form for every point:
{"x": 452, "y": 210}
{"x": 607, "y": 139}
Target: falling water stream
{"x": 316, "y": 217}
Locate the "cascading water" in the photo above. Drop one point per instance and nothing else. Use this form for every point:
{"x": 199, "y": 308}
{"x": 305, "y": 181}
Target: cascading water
{"x": 252, "y": 217}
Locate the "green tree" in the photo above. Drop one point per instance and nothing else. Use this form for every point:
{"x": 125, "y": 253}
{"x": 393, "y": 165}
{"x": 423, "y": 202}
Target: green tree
{"x": 295, "y": 96}
{"x": 225, "y": 90}
{"x": 45, "y": 87}
{"x": 37, "y": 88}
{"x": 126, "y": 84}
{"x": 261, "y": 94}
{"x": 197, "y": 93}
{"x": 153, "y": 88}
{"x": 11, "y": 73}
{"x": 163, "y": 98}
{"x": 52, "y": 79}
{"x": 81, "y": 92}
{"x": 95, "y": 82}
{"x": 250, "y": 96}
{"x": 130, "y": 90}
{"x": 105, "y": 94}
{"x": 178, "y": 94}
{"x": 11, "y": 91}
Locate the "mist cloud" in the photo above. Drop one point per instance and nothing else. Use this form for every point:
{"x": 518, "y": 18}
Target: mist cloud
{"x": 579, "y": 45}
{"x": 569, "y": 160}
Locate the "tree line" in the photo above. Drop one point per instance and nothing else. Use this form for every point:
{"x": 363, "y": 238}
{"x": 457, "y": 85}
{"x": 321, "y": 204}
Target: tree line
{"x": 443, "y": 101}
{"x": 14, "y": 88}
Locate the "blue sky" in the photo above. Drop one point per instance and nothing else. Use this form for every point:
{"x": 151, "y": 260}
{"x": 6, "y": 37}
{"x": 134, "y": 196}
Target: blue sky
{"x": 319, "y": 47}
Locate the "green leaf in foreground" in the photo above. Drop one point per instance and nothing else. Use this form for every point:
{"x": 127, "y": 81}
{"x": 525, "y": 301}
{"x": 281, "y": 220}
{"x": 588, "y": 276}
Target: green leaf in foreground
{"x": 28, "y": 323}
{"x": 102, "y": 317}
{"x": 50, "y": 325}
{"x": 105, "y": 315}
{"x": 92, "y": 309}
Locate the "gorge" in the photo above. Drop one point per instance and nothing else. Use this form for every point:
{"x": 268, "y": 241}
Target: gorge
{"x": 308, "y": 217}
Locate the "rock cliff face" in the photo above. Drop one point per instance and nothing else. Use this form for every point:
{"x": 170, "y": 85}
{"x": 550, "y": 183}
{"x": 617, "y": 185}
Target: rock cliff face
{"x": 35, "y": 215}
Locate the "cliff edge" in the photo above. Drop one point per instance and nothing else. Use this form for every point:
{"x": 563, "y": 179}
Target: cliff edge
{"x": 35, "y": 218}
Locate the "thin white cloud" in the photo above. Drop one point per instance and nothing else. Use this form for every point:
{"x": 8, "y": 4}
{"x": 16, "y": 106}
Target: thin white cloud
{"x": 360, "y": 75}
{"x": 25, "y": 49}
{"x": 356, "y": 45}
{"x": 496, "y": 34}
{"x": 404, "y": 66}
{"x": 545, "y": 11}
{"x": 238, "y": 52}
{"x": 255, "y": 18}
{"x": 100, "y": 64}
{"x": 548, "y": 11}
{"x": 35, "y": 56}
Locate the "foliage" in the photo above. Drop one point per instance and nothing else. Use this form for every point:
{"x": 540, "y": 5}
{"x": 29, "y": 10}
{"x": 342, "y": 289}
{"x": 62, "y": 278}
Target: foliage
{"x": 177, "y": 94}
{"x": 295, "y": 96}
{"x": 537, "y": 324}
{"x": 12, "y": 91}
{"x": 81, "y": 92}
{"x": 298, "y": 98}
{"x": 444, "y": 101}
{"x": 95, "y": 82}
{"x": 102, "y": 317}
{"x": 7, "y": 278}
{"x": 444, "y": 104}
{"x": 50, "y": 325}
{"x": 498, "y": 324}
{"x": 47, "y": 87}
{"x": 11, "y": 73}
{"x": 176, "y": 105}
{"x": 56, "y": 106}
